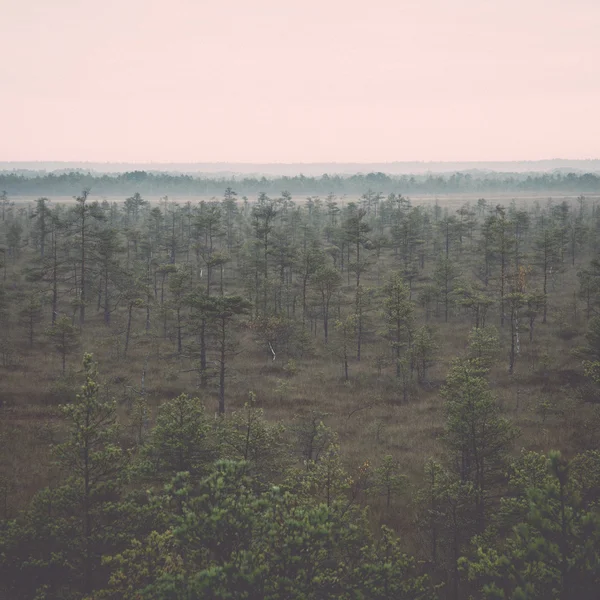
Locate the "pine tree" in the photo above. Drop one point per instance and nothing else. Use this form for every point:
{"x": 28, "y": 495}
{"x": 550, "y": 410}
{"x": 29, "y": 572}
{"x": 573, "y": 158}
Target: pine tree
{"x": 484, "y": 346}
{"x": 64, "y": 338}
{"x": 85, "y": 216}
{"x": 247, "y": 436}
{"x": 423, "y": 352}
{"x": 445, "y": 276}
{"x": 554, "y": 549}
{"x": 183, "y": 439}
{"x": 30, "y": 315}
{"x": 327, "y": 281}
{"x": 548, "y": 259}
{"x": 347, "y": 329}
{"x": 476, "y": 435}
{"x": 388, "y": 481}
{"x": 94, "y": 462}
{"x": 398, "y": 312}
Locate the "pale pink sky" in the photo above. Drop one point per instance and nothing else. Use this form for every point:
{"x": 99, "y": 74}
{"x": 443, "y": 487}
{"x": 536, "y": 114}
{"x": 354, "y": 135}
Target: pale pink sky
{"x": 299, "y": 80}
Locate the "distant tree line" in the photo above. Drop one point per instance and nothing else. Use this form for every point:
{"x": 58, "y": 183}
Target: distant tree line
{"x": 145, "y": 182}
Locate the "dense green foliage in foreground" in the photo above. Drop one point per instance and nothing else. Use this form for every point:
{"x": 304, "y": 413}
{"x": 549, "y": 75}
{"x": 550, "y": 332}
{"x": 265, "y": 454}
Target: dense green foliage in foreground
{"x": 202, "y": 507}
{"x": 145, "y": 182}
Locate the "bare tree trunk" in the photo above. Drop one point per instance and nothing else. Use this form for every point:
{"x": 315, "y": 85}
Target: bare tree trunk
{"x": 128, "y": 332}
{"x": 203, "y": 364}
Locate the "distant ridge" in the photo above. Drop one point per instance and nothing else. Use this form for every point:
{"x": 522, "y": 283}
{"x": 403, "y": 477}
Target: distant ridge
{"x": 310, "y": 169}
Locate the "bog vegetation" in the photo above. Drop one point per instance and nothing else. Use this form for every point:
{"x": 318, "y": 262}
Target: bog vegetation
{"x": 299, "y": 398}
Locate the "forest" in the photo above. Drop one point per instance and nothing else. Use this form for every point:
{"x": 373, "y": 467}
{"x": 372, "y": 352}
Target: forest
{"x": 252, "y": 393}
{"x": 61, "y": 183}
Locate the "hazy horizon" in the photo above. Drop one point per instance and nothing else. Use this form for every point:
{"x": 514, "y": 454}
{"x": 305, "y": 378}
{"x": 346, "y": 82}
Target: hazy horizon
{"x": 142, "y": 81}
{"x": 278, "y": 169}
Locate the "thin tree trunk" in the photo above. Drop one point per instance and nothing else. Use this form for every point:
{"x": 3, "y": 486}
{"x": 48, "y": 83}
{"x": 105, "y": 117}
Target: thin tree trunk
{"x": 127, "y": 334}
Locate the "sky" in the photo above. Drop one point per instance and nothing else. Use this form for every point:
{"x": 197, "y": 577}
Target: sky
{"x": 299, "y": 80}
